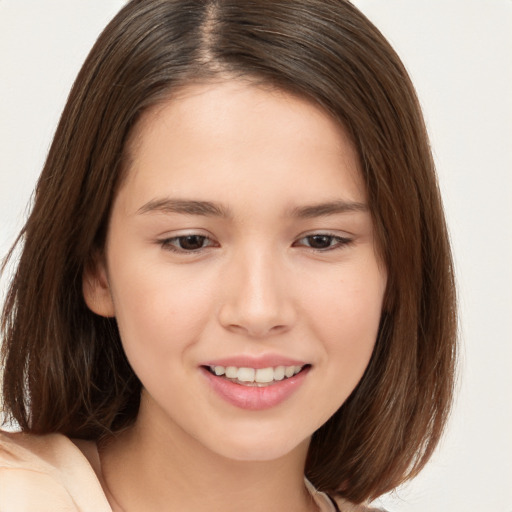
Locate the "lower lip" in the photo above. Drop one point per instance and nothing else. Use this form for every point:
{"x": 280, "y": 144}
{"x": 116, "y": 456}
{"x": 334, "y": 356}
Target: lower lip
{"x": 254, "y": 398}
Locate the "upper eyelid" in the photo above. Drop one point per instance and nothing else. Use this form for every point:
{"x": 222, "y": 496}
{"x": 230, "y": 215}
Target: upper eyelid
{"x": 177, "y": 237}
{"x": 338, "y": 242}
{"x": 326, "y": 232}
{"x": 201, "y": 233}
{"x": 335, "y": 237}
{"x": 209, "y": 237}
{"x": 168, "y": 245}
{"x": 184, "y": 233}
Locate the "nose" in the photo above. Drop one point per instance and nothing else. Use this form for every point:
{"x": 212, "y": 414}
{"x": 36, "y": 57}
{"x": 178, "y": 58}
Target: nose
{"x": 256, "y": 296}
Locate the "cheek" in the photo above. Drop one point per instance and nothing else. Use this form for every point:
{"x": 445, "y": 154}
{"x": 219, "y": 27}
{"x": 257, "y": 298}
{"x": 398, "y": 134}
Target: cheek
{"x": 345, "y": 314}
{"x": 159, "y": 313}
{"x": 341, "y": 310}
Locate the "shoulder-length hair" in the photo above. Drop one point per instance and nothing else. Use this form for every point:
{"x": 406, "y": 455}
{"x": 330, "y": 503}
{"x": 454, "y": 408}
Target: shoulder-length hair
{"x": 65, "y": 370}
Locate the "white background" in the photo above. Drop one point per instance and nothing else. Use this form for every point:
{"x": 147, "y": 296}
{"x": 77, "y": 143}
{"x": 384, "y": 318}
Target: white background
{"x": 459, "y": 53}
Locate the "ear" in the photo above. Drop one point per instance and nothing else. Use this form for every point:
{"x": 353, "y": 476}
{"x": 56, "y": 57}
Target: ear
{"x": 96, "y": 288}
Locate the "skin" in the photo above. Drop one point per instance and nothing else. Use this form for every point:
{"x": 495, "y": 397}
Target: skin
{"x": 256, "y": 286}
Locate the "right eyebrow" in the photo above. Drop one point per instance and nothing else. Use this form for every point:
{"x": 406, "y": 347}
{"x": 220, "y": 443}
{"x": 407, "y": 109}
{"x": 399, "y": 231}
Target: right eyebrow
{"x": 328, "y": 208}
{"x": 185, "y": 207}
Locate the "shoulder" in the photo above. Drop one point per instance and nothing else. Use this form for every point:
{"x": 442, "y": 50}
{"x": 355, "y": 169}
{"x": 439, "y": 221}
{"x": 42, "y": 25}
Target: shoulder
{"x": 46, "y": 473}
{"x": 18, "y": 447}
{"x": 28, "y": 473}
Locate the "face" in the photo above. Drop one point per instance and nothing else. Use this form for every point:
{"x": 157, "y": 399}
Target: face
{"x": 241, "y": 267}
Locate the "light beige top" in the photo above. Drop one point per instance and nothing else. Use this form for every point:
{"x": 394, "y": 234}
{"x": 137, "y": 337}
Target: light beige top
{"x": 52, "y": 473}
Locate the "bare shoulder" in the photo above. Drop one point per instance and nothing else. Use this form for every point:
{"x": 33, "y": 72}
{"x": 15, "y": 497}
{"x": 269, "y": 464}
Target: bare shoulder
{"x": 52, "y": 471}
{"x": 26, "y": 465}
{"x": 17, "y": 448}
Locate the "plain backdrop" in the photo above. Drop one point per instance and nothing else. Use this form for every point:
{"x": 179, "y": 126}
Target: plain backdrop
{"x": 458, "y": 53}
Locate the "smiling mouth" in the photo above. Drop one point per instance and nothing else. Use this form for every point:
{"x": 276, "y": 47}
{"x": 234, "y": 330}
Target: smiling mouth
{"x": 259, "y": 377}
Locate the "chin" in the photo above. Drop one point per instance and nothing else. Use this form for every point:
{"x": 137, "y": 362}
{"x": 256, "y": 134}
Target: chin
{"x": 262, "y": 447}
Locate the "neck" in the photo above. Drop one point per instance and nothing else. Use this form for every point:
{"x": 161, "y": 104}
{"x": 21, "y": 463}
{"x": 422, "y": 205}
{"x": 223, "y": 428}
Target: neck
{"x": 157, "y": 466}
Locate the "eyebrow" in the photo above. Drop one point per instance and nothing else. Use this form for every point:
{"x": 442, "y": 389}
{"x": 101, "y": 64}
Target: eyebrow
{"x": 329, "y": 208}
{"x": 184, "y": 206}
{"x": 212, "y": 209}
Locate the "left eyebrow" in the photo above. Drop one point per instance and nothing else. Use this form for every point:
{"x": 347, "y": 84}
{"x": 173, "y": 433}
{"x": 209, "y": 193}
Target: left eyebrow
{"x": 184, "y": 207}
{"x": 329, "y": 208}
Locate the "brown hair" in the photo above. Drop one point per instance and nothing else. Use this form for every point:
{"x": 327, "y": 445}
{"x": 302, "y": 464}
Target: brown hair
{"x": 65, "y": 370}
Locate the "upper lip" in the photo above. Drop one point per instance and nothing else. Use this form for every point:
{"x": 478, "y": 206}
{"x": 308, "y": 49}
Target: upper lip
{"x": 246, "y": 361}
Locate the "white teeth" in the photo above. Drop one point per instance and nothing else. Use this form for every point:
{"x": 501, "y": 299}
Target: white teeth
{"x": 246, "y": 374}
{"x": 264, "y": 375}
{"x": 219, "y": 370}
{"x": 279, "y": 373}
{"x": 231, "y": 372}
{"x": 259, "y": 375}
{"x": 289, "y": 371}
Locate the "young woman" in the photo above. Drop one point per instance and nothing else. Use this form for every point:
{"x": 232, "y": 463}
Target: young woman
{"x": 235, "y": 290}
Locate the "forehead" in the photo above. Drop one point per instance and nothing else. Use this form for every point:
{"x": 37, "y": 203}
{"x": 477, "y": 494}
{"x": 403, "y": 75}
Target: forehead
{"x": 231, "y": 133}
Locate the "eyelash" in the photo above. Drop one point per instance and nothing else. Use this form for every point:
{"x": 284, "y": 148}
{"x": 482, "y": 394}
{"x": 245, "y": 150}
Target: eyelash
{"x": 173, "y": 244}
{"x": 167, "y": 244}
{"x": 340, "y": 241}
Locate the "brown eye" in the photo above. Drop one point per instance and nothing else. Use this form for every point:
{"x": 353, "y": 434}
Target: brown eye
{"x": 320, "y": 241}
{"x": 191, "y": 242}
{"x": 323, "y": 242}
{"x": 187, "y": 243}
